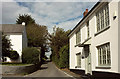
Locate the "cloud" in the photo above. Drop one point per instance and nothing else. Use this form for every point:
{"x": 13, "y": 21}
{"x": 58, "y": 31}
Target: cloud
{"x": 11, "y": 10}
{"x": 63, "y": 14}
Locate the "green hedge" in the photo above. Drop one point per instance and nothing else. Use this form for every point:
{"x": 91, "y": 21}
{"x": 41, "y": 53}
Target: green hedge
{"x": 13, "y": 55}
{"x": 30, "y": 56}
{"x": 64, "y": 57}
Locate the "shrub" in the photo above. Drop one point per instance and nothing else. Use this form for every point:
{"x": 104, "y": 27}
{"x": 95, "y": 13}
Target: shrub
{"x": 30, "y": 56}
{"x": 13, "y": 55}
{"x": 64, "y": 57}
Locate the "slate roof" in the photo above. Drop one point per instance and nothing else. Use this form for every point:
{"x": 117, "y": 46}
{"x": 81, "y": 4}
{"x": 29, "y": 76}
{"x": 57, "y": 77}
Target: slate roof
{"x": 12, "y": 28}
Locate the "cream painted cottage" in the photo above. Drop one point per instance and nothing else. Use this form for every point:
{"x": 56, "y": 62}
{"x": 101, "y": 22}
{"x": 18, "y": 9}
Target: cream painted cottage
{"x": 94, "y": 44}
{"x": 17, "y": 35}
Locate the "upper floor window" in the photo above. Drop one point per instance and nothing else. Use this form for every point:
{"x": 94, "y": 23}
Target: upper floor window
{"x": 102, "y": 18}
{"x": 88, "y": 32}
{"x": 104, "y": 58}
{"x": 78, "y": 37}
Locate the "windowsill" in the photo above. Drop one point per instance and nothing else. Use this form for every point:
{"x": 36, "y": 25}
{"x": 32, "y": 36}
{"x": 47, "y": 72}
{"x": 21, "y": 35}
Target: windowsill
{"x": 77, "y": 66}
{"x": 103, "y": 67}
{"x": 102, "y": 30}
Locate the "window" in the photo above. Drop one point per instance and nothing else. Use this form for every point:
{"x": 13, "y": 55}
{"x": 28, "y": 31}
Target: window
{"x": 104, "y": 58}
{"x": 102, "y": 18}
{"x": 88, "y": 34}
{"x": 78, "y": 55}
{"x": 78, "y": 37}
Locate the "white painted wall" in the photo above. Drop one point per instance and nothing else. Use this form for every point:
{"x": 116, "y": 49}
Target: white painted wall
{"x": 110, "y": 35}
{"x": 119, "y": 36}
{"x": 73, "y": 51}
{"x": 16, "y": 41}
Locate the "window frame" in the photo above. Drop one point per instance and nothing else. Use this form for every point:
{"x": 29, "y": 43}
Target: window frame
{"x": 88, "y": 29}
{"x": 78, "y": 36}
{"x": 102, "y": 18}
{"x": 78, "y": 57}
{"x": 103, "y": 53}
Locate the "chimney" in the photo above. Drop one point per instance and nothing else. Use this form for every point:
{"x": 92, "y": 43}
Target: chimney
{"x": 85, "y": 12}
{"x": 23, "y": 23}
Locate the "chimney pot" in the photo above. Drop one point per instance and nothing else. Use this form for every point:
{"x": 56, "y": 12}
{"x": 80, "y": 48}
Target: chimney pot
{"x": 85, "y": 12}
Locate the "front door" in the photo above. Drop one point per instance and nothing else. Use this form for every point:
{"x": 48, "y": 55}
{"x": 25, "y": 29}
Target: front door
{"x": 87, "y": 60}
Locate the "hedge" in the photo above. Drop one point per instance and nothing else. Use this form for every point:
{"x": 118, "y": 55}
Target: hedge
{"x": 13, "y": 55}
{"x": 30, "y": 56}
{"x": 64, "y": 57}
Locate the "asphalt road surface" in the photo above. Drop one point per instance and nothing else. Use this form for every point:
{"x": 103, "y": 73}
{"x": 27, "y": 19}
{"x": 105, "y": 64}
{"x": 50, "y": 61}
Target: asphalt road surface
{"x": 48, "y": 70}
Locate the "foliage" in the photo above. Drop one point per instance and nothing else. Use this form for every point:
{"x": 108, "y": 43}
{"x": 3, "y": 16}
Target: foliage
{"x": 64, "y": 57}
{"x": 38, "y": 37}
{"x": 6, "y": 46}
{"x": 37, "y": 34}
{"x": 14, "y": 55}
{"x": 58, "y": 39}
{"x": 25, "y": 18}
{"x": 30, "y": 56}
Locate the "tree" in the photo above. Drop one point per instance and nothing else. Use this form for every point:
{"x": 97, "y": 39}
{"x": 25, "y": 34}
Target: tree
{"x": 25, "y": 18}
{"x": 38, "y": 37}
{"x": 6, "y": 46}
{"x": 36, "y": 34}
{"x": 58, "y": 39}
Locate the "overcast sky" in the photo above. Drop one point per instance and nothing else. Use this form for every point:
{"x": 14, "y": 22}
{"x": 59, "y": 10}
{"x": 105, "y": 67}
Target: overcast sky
{"x": 62, "y": 14}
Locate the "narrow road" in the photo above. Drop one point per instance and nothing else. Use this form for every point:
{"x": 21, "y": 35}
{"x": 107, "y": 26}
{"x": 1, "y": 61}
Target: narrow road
{"x": 48, "y": 70}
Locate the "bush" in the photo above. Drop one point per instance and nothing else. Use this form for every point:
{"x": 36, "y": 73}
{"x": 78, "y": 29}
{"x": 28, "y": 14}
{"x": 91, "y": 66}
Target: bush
{"x": 30, "y": 56}
{"x": 64, "y": 57}
{"x": 13, "y": 55}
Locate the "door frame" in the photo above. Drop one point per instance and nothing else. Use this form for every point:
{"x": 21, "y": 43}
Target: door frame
{"x": 88, "y": 65}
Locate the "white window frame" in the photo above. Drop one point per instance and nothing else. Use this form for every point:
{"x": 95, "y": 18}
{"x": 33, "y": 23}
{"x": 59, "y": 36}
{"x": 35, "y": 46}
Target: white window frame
{"x": 102, "y": 18}
{"x": 78, "y": 57}
{"x": 88, "y": 29}
{"x": 78, "y": 36}
{"x": 104, "y": 56}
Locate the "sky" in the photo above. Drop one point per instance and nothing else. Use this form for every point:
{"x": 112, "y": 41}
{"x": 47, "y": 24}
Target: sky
{"x": 64, "y": 14}
{"x": 60, "y": 14}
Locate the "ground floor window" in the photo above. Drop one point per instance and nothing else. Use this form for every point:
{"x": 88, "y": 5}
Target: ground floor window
{"x": 104, "y": 58}
{"x": 78, "y": 56}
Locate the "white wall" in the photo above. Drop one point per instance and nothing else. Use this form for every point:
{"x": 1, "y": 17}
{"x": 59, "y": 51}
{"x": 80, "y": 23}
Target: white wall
{"x": 119, "y": 35}
{"x": 16, "y": 41}
{"x": 73, "y": 51}
{"x": 110, "y": 35}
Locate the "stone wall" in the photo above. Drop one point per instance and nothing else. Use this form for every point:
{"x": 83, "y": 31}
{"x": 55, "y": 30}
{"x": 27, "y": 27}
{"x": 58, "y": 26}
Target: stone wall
{"x": 19, "y": 69}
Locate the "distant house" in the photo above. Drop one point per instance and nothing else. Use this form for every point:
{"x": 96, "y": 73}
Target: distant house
{"x": 17, "y": 35}
{"x": 94, "y": 44}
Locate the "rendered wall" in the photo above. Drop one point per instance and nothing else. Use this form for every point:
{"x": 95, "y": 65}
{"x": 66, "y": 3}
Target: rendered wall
{"x": 16, "y": 41}
{"x": 119, "y": 36}
{"x": 109, "y": 35}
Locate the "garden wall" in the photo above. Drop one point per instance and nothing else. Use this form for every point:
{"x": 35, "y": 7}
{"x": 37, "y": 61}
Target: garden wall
{"x": 19, "y": 69}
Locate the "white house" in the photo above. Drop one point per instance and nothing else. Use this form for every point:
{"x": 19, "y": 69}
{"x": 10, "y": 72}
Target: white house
{"x": 94, "y": 43}
{"x": 17, "y": 35}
